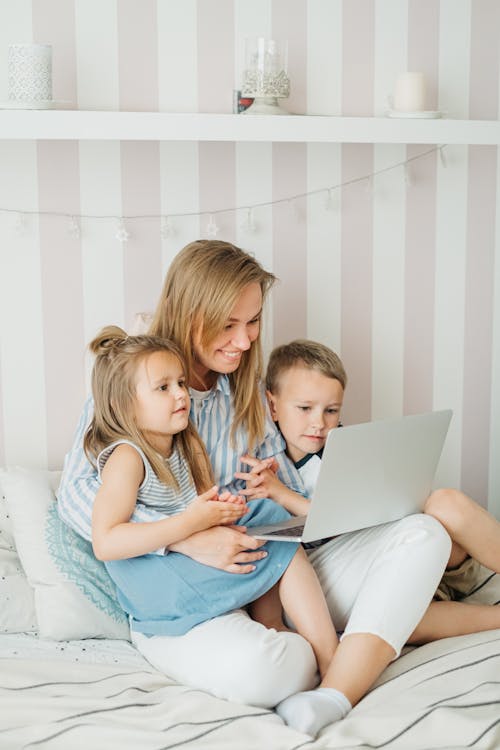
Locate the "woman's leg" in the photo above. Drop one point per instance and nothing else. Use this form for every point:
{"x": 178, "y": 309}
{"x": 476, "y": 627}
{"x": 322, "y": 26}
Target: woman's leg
{"x": 378, "y": 582}
{"x": 473, "y": 530}
{"x": 234, "y": 658}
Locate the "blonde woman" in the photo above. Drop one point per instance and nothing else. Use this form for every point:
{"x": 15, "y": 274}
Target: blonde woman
{"x": 211, "y": 306}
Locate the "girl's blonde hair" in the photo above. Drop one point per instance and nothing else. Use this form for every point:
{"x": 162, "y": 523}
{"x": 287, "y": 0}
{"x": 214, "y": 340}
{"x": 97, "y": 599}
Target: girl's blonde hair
{"x": 117, "y": 357}
{"x": 201, "y": 288}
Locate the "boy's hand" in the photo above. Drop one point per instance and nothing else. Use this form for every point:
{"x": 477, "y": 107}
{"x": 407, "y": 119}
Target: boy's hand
{"x": 210, "y": 509}
{"x": 261, "y": 480}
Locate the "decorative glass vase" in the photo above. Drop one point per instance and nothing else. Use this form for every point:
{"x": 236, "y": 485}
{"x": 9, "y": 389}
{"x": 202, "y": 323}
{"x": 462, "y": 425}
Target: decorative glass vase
{"x": 265, "y": 78}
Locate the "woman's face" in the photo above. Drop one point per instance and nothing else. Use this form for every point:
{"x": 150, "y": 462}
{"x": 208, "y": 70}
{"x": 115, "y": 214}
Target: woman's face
{"x": 223, "y": 354}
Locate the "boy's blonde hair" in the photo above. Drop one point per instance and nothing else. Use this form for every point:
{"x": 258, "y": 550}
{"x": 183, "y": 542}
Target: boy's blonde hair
{"x": 117, "y": 357}
{"x": 303, "y": 353}
{"x": 201, "y": 288}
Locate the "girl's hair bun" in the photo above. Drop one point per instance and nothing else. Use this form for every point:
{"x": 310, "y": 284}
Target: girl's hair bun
{"x": 107, "y": 339}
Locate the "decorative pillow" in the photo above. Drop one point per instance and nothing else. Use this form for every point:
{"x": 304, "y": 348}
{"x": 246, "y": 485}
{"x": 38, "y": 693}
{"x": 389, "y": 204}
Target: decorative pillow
{"x": 17, "y": 606}
{"x": 74, "y": 595}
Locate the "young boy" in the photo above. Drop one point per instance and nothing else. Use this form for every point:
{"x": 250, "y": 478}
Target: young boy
{"x": 305, "y": 385}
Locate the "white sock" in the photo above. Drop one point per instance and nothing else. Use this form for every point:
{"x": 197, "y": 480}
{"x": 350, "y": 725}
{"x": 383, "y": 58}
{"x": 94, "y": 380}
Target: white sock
{"x": 312, "y": 710}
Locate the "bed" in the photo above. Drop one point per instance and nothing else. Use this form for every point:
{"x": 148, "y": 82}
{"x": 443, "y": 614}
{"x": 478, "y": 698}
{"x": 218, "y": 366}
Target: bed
{"x": 71, "y": 679}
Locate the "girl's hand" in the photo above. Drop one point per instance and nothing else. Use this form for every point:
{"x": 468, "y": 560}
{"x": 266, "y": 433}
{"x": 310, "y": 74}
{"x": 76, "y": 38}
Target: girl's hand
{"x": 210, "y": 509}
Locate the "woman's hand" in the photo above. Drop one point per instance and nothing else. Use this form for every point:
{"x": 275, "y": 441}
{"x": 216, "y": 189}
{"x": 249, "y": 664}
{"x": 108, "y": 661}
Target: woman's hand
{"x": 211, "y": 509}
{"x": 227, "y": 548}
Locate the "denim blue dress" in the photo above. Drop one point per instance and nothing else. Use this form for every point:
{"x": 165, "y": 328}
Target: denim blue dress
{"x": 169, "y": 594}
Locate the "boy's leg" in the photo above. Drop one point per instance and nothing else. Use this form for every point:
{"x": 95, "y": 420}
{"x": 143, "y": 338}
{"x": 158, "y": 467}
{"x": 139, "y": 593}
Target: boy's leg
{"x": 448, "y": 619}
{"x": 474, "y": 531}
{"x": 305, "y": 605}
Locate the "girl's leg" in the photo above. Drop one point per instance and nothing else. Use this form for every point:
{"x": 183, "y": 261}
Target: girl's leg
{"x": 268, "y": 611}
{"x": 473, "y": 530}
{"x": 305, "y": 604}
{"x": 448, "y": 619}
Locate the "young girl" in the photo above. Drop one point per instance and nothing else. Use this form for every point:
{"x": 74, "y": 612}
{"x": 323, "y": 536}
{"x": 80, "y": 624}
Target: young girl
{"x": 148, "y": 453}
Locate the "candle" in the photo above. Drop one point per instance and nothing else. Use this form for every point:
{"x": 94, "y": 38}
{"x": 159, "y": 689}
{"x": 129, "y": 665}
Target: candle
{"x": 29, "y": 72}
{"x": 410, "y": 93}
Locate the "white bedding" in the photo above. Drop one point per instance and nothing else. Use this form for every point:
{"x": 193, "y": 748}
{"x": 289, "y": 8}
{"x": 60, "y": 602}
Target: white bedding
{"x": 102, "y": 694}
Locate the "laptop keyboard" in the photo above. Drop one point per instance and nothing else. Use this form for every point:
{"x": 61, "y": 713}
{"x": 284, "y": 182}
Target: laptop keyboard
{"x": 289, "y": 531}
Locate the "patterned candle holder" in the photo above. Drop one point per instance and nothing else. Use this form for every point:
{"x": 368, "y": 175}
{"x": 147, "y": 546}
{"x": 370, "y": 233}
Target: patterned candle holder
{"x": 29, "y": 74}
{"x": 265, "y": 78}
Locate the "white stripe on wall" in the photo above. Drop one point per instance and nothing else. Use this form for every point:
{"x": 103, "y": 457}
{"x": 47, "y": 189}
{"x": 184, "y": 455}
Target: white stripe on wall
{"x": 324, "y": 57}
{"x": 391, "y": 50}
{"x": 250, "y": 20}
{"x": 454, "y": 57}
{"x": 177, "y": 56}
{"x": 16, "y": 27}
{"x": 179, "y": 194}
{"x": 22, "y": 331}
{"x": 324, "y": 289}
{"x": 389, "y": 207}
{"x": 96, "y": 54}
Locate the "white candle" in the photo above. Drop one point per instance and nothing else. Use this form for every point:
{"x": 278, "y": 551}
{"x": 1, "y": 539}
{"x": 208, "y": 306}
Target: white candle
{"x": 29, "y": 72}
{"x": 410, "y": 92}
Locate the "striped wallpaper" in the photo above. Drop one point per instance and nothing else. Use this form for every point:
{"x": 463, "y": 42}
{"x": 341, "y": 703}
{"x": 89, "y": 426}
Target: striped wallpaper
{"x": 401, "y": 274}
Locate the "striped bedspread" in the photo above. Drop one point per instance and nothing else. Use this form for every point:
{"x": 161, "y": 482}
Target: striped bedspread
{"x": 442, "y": 695}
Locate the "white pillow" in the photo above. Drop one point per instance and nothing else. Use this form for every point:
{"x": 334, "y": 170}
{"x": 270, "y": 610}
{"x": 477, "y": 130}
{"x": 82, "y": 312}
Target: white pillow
{"x": 74, "y": 595}
{"x": 17, "y": 606}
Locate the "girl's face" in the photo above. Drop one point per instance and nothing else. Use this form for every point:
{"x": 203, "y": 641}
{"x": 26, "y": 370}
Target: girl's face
{"x": 223, "y": 354}
{"x": 162, "y": 399}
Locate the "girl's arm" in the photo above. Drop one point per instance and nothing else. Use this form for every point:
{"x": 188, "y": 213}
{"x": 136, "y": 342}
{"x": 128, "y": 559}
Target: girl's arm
{"x": 115, "y": 537}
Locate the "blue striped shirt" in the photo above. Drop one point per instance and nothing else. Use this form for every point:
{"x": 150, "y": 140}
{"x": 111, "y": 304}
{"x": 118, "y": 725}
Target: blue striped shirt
{"x": 212, "y": 413}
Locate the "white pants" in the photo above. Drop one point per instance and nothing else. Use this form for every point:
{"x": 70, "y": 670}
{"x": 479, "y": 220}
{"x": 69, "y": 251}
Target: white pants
{"x": 378, "y": 580}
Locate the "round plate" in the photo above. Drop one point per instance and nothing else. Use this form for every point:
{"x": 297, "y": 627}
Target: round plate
{"x": 423, "y": 115}
{"x": 36, "y": 104}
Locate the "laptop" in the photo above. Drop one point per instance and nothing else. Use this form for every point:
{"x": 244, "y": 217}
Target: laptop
{"x": 370, "y": 474}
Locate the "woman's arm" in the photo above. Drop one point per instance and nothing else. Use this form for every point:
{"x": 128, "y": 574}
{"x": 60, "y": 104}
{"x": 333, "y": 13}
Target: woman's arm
{"x": 115, "y": 537}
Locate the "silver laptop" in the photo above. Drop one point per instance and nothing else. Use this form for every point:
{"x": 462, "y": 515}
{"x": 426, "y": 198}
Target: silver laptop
{"x": 370, "y": 473}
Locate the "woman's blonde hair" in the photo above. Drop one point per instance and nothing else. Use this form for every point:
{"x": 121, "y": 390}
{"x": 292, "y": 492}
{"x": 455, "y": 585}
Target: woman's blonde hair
{"x": 201, "y": 288}
{"x": 303, "y": 353}
{"x": 117, "y": 357}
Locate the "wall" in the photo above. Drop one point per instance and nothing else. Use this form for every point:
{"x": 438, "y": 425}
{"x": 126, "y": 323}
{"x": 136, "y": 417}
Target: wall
{"x": 399, "y": 274}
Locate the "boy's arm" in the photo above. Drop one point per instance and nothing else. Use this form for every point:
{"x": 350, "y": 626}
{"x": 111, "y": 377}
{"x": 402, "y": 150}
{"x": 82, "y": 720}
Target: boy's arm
{"x": 262, "y": 481}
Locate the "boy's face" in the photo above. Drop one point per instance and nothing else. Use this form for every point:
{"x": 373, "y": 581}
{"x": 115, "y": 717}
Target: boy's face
{"x": 306, "y": 406}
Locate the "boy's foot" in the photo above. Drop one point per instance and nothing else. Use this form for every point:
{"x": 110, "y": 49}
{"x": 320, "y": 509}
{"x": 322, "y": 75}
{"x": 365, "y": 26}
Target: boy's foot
{"x": 310, "y": 711}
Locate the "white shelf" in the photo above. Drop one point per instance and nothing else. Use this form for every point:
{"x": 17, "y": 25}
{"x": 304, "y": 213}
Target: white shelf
{"x": 162, "y": 126}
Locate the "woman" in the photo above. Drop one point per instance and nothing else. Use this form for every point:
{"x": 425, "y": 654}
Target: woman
{"x": 211, "y": 306}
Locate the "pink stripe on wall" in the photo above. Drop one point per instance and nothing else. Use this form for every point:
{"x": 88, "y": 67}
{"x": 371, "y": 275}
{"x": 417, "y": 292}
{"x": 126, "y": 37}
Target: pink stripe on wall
{"x": 480, "y": 261}
{"x": 217, "y": 187}
{"x": 62, "y": 294}
{"x": 481, "y": 210}
{"x": 141, "y": 191}
{"x": 215, "y": 55}
{"x": 138, "y": 55}
{"x": 420, "y": 263}
{"x": 423, "y": 44}
{"x": 2, "y": 420}
{"x": 54, "y": 23}
{"x": 357, "y": 281}
{"x": 358, "y": 51}
{"x": 289, "y": 23}
{"x": 358, "y": 33}
{"x": 289, "y": 242}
